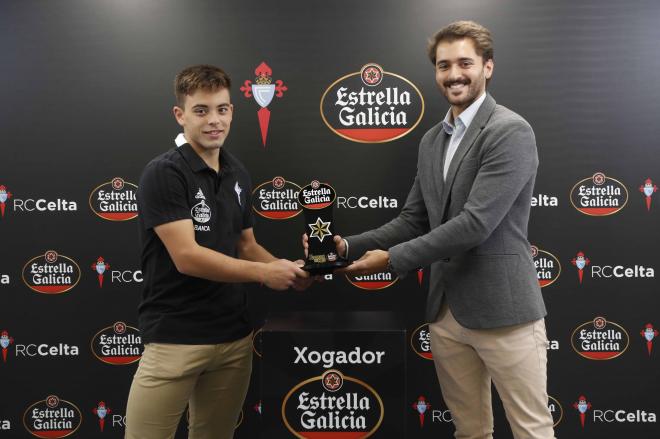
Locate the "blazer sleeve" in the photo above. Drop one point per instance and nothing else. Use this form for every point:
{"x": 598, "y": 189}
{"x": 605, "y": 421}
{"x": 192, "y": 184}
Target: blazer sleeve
{"x": 509, "y": 161}
{"x": 410, "y": 223}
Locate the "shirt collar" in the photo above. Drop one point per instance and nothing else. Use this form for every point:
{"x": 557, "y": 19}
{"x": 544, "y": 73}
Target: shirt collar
{"x": 195, "y": 161}
{"x": 465, "y": 118}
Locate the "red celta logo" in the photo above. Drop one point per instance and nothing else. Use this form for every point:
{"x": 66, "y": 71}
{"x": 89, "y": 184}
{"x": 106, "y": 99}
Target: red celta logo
{"x": 5, "y": 341}
{"x": 421, "y": 406}
{"x": 582, "y": 406}
{"x": 649, "y": 333}
{"x": 263, "y": 91}
{"x": 100, "y": 266}
{"x": 648, "y": 189}
{"x": 101, "y": 411}
{"x": 580, "y": 261}
{"x": 4, "y": 196}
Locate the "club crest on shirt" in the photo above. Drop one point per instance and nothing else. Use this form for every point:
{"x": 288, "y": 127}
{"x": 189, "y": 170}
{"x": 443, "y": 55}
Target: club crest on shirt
{"x": 201, "y": 212}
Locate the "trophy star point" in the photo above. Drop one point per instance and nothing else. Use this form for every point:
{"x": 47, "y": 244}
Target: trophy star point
{"x": 320, "y": 229}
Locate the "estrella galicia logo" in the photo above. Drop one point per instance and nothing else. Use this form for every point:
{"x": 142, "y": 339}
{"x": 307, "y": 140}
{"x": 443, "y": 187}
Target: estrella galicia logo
{"x": 332, "y": 405}
{"x": 600, "y": 339}
{"x": 114, "y": 200}
{"x": 420, "y": 341}
{"x": 263, "y": 91}
{"x": 256, "y": 341}
{"x": 276, "y": 199}
{"x": 51, "y": 273}
{"x": 52, "y": 418}
{"x": 547, "y": 266}
{"x": 118, "y": 344}
{"x": 556, "y": 410}
{"x": 376, "y": 281}
{"x": 599, "y": 195}
{"x": 372, "y": 105}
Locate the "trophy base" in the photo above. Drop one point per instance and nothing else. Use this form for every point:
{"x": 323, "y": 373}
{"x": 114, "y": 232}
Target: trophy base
{"x": 316, "y": 269}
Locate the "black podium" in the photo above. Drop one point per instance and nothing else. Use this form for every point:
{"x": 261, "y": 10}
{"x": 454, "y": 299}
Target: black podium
{"x": 333, "y": 375}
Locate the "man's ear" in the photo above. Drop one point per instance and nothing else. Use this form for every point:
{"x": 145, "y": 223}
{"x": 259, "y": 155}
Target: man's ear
{"x": 178, "y": 114}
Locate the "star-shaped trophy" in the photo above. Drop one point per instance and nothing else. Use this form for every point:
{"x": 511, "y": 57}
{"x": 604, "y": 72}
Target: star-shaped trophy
{"x": 316, "y": 200}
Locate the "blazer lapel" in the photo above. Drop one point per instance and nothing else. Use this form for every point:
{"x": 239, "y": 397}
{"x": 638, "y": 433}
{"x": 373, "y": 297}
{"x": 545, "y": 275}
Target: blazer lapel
{"x": 473, "y": 131}
{"x": 438, "y": 162}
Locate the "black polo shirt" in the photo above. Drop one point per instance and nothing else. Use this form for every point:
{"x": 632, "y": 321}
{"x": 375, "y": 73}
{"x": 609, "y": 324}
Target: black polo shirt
{"x": 177, "y": 308}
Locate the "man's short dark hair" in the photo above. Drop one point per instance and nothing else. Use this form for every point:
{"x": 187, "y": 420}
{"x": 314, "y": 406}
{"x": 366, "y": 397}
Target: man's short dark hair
{"x": 199, "y": 77}
{"x": 483, "y": 41}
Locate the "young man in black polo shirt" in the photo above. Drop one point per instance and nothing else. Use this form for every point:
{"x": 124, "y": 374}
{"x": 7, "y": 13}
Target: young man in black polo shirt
{"x": 198, "y": 246}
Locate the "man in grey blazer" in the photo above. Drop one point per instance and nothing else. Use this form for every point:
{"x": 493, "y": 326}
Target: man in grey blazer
{"x": 466, "y": 216}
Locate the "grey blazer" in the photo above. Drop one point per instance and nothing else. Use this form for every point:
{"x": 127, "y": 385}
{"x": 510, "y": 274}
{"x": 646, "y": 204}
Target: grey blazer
{"x": 471, "y": 229}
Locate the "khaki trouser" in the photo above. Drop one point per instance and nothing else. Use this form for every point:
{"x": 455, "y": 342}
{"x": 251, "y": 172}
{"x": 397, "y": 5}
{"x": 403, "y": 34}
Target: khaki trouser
{"x": 211, "y": 379}
{"x": 514, "y": 357}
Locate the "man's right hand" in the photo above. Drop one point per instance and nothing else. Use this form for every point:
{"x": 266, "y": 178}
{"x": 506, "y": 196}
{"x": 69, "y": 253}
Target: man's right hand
{"x": 281, "y": 274}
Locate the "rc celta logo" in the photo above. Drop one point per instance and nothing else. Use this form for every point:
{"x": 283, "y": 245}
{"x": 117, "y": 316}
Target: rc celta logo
{"x": 610, "y": 271}
{"x": 51, "y": 273}
{"x": 600, "y": 339}
{"x": 114, "y": 200}
{"x": 5, "y": 341}
{"x": 34, "y": 205}
{"x": 52, "y": 418}
{"x": 332, "y": 405}
{"x": 582, "y": 405}
{"x": 263, "y": 92}
{"x": 100, "y": 266}
{"x": 547, "y": 266}
{"x": 648, "y": 333}
{"x": 420, "y": 340}
{"x": 4, "y": 196}
{"x": 376, "y": 281}
{"x": 580, "y": 261}
{"x": 276, "y": 199}
{"x": 118, "y": 344}
{"x": 599, "y": 195}
{"x": 647, "y": 189}
{"x": 372, "y": 106}
{"x": 101, "y": 411}
{"x": 421, "y": 406}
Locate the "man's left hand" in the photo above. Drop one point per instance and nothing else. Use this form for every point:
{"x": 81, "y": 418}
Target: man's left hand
{"x": 373, "y": 261}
